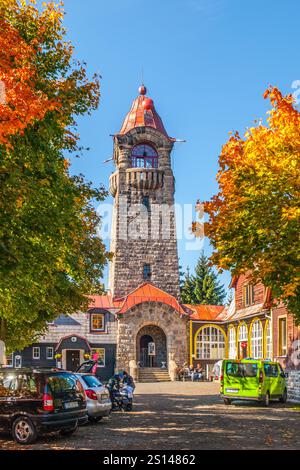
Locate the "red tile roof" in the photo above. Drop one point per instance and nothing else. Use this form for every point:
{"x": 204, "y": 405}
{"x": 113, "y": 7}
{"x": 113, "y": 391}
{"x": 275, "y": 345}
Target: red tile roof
{"x": 143, "y": 113}
{"x": 206, "y": 312}
{"x": 147, "y": 292}
{"x": 103, "y": 301}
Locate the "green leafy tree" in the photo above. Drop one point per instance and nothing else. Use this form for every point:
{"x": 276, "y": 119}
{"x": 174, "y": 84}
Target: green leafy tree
{"x": 203, "y": 287}
{"x": 187, "y": 288}
{"x": 51, "y": 256}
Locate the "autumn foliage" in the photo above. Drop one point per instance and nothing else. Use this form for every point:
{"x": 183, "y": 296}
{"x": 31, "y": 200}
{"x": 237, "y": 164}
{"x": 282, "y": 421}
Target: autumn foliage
{"x": 51, "y": 257}
{"x": 22, "y": 101}
{"x": 254, "y": 219}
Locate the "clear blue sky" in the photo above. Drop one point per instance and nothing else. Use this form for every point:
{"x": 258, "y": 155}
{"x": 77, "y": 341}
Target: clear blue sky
{"x": 206, "y": 65}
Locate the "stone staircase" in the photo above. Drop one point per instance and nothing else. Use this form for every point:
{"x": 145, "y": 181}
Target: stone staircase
{"x": 153, "y": 374}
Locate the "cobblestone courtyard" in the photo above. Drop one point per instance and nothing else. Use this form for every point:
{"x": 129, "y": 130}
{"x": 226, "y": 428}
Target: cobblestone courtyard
{"x": 183, "y": 416}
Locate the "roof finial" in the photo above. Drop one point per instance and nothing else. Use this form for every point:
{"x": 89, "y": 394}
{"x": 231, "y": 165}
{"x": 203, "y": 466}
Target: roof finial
{"x": 142, "y": 90}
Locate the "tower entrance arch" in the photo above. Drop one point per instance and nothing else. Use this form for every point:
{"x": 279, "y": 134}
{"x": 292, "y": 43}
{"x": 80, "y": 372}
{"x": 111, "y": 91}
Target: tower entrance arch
{"x": 151, "y": 344}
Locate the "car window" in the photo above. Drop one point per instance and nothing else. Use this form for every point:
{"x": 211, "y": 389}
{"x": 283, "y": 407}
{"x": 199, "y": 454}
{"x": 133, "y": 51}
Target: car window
{"x": 19, "y": 385}
{"x": 91, "y": 381}
{"x": 271, "y": 370}
{"x": 61, "y": 383}
{"x": 8, "y": 385}
{"x": 237, "y": 369}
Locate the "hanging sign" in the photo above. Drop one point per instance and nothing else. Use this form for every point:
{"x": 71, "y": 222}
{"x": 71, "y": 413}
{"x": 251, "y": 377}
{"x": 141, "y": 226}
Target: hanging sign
{"x": 151, "y": 349}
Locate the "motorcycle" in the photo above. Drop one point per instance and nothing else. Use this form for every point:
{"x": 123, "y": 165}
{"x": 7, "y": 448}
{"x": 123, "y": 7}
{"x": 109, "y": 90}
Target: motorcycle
{"x": 121, "y": 396}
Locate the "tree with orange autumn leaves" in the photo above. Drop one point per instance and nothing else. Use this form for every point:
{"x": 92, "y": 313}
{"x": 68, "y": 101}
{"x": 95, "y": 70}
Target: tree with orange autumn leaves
{"x": 50, "y": 254}
{"x": 21, "y": 102}
{"x": 253, "y": 221}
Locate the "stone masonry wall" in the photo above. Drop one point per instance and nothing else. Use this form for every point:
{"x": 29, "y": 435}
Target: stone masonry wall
{"x": 143, "y": 236}
{"x": 173, "y": 325}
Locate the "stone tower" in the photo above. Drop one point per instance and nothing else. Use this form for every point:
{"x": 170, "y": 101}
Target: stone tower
{"x": 143, "y": 227}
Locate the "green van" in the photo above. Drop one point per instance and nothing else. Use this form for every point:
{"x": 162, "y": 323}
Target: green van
{"x": 250, "y": 379}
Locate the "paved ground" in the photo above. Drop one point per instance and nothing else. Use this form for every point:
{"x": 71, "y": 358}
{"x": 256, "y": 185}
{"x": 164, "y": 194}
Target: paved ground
{"x": 183, "y": 416}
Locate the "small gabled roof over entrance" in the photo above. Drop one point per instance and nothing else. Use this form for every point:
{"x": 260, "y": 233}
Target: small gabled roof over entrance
{"x": 147, "y": 292}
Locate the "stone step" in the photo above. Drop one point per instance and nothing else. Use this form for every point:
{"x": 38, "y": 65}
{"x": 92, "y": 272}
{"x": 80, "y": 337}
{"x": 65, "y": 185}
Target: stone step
{"x": 153, "y": 374}
{"x": 148, "y": 381}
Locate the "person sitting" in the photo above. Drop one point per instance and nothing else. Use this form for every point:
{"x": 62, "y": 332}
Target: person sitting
{"x": 181, "y": 371}
{"x": 199, "y": 373}
{"x": 191, "y": 372}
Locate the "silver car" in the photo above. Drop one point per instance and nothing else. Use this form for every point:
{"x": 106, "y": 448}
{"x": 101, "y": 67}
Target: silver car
{"x": 97, "y": 397}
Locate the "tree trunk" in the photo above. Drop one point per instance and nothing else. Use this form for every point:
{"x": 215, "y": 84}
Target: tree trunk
{"x": 3, "y": 329}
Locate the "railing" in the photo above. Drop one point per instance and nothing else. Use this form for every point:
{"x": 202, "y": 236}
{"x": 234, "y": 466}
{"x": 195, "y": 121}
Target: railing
{"x": 138, "y": 178}
{"x": 144, "y": 178}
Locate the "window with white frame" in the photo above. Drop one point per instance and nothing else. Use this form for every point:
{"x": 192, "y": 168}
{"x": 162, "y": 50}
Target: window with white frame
{"x": 36, "y": 352}
{"x": 243, "y": 332}
{"x": 210, "y": 344}
{"x": 256, "y": 340}
{"x": 49, "y": 352}
{"x": 231, "y": 343}
{"x": 268, "y": 340}
{"x": 18, "y": 362}
{"x": 97, "y": 322}
{"x": 101, "y": 355}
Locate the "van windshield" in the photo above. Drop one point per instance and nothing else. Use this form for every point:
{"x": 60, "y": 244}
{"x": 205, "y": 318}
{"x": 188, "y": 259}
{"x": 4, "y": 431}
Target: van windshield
{"x": 237, "y": 369}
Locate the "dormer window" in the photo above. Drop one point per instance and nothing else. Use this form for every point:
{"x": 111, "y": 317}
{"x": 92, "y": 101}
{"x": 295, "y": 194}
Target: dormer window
{"x": 97, "y": 322}
{"x": 144, "y": 156}
{"x": 248, "y": 295}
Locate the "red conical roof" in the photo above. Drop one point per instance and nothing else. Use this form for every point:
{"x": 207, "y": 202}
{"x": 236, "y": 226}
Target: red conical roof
{"x": 143, "y": 113}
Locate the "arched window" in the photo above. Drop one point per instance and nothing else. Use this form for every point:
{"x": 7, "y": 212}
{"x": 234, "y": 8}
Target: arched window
{"x": 144, "y": 156}
{"x": 268, "y": 333}
{"x": 210, "y": 343}
{"x": 256, "y": 340}
{"x": 231, "y": 343}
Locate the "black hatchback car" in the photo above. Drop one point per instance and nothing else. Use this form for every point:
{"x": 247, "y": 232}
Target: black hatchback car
{"x": 34, "y": 401}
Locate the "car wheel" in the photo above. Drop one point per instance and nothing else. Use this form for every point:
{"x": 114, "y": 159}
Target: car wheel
{"x": 23, "y": 430}
{"x": 227, "y": 401}
{"x": 267, "y": 399}
{"x": 68, "y": 431}
{"x": 95, "y": 419}
{"x": 283, "y": 398}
